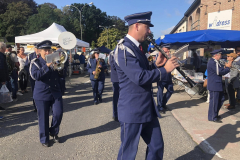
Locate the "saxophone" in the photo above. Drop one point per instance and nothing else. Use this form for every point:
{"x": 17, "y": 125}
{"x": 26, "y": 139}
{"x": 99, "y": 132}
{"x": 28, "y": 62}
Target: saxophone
{"x": 97, "y": 70}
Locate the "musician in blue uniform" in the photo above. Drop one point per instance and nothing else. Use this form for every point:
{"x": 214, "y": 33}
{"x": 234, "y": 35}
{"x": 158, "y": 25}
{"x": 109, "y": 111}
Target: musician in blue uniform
{"x": 115, "y": 83}
{"x": 97, "y": 84}
{"x": 137, "y": 111}
{"x": 62, "y": 79}
{"x": 47, "y": 93}
{"x": 162, "y": 99}
{"x": 30, "y": 57}
{"x": 215, "y": 72}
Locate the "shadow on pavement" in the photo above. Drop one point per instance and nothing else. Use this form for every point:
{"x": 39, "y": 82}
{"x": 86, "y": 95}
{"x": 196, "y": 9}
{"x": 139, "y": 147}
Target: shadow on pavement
{"x": 19, "y": 117}
{"x": 224, "y": 135}
{"x": 104, "y": 128}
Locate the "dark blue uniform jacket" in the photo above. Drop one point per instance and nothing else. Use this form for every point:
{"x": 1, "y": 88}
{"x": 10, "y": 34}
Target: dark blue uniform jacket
{"x": 136, "y": 103}
{"x": 114, "y": 77}
{"x": 91, "y": 66}
{"x": 47, "y": 84}
{"x": 215, "y": 75}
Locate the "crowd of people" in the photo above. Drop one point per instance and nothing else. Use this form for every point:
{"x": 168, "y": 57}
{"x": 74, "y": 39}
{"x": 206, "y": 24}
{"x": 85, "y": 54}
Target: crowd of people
{"x": 12, "y": 71}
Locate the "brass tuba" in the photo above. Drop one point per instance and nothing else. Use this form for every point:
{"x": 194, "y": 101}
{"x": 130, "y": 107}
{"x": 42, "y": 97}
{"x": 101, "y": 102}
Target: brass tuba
{"x": 97, "y": 70}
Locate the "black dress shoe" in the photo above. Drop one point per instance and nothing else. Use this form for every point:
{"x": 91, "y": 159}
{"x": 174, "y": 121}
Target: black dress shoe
{"x": 100, "y": 101}
{"x": 115, "y": 119}
{"x": 45, "y": 144}
{"x": 217, "y": 121}
{"x": 95, "y": 103}
{"x": 219, "y": 117}
{"x": 162, "y": 111}
{"x": 1, "y": 108}
{"x": 56, "y": 139}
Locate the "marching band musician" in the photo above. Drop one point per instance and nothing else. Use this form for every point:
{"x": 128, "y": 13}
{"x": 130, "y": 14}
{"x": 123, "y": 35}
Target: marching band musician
{"x": 162, "y": 99}
{"x": 215, "y": 72}
{"x": 115, "y": 82}
{"x": 137, "y": 111}
{"x": 97, "y": 84}
{"x": 30, "y": 57}
{"x": 47, "y": 93}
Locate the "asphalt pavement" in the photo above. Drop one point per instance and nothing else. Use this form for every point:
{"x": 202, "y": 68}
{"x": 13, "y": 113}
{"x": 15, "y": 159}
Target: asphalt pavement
{"x": 87, "y": 131}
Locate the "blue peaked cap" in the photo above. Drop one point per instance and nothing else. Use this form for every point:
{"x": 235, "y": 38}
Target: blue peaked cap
{"x": 217, "y": 51}
{"x": 44, "y": 44}
{"x": 166, "y": 46}
{"x": 143, "y": 17}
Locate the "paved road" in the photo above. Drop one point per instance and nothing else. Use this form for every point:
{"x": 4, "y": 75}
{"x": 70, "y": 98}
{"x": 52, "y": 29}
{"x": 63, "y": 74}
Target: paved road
{"x": 87, "y": 131}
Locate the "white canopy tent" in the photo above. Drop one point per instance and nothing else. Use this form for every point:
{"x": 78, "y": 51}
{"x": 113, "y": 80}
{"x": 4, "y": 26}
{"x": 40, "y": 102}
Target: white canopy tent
{"x": 51, "y": 33}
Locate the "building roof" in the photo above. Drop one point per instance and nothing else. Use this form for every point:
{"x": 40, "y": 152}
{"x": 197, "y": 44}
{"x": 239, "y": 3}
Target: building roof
{"x": 193, "y": 6}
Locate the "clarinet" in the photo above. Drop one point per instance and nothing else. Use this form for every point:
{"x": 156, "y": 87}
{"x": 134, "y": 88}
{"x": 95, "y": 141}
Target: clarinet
{"x": 190, "y": 82}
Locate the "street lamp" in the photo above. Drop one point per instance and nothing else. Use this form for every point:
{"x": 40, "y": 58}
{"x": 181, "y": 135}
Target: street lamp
{"x": 80, "y": 12}
{"x": 107, "y": 31}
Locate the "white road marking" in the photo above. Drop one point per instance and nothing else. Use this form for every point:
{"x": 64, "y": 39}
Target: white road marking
{"x": 208, "y": 148}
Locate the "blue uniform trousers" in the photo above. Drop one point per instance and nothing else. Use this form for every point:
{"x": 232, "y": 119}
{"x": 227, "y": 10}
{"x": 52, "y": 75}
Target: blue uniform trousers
{"x": 230, "y": 92}
{"x": 115, "y": 98}
{"x": 43, "y": 108}
{"x": 62, "y": 84}
{"x": 151, "y": 134}
{"x": 163, "y": 99}
{"x": 32, "y": 86}
{"x": 216, "y": 101}
{"x": 14, "y": 83}
{"x": 97, "y": 87}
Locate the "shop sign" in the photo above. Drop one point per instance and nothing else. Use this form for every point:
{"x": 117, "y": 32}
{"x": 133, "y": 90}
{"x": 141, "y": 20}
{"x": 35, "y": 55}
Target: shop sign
{"x": 220, "y": 20}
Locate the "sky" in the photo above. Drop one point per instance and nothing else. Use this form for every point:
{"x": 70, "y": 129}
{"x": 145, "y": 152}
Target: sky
{"x": 166, "y": 13}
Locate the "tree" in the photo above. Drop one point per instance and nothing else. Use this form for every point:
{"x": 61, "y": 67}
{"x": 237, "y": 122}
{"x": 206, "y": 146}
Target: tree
{"x": 91, "y": 18}
{"x": 13, "y": 20}
{"x": 119, "y": 24}
{"x": 31, "y": 3}
{"x": 43, "y": 19}
{"x": 109, "y": 36}
{"x": 93, "y": 45}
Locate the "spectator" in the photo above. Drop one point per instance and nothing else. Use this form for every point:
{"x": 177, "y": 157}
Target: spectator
{"x": 232, "y": 82}
{"x": 82, "y": 62}
{"x": 23, "y": 76}
{"x": 237, "y": 60}
{"x": 13, "y": 67}
{"x": 3, "y": 68}
{"x": 196, "y": 62}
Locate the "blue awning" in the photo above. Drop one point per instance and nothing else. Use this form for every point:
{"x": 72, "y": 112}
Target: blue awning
{"x": 225, "y": 38}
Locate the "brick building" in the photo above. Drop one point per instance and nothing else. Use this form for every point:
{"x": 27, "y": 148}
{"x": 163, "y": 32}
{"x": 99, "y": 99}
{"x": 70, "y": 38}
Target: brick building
{"x": 210, "y": 14}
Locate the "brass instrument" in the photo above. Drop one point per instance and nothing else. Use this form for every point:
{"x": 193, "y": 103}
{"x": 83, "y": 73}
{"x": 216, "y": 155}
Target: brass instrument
{"x": 97, "y": 70}
{"x": 150, "y": 59}
{"x": 59, "y": 64}
{"x": 191, "y": 83}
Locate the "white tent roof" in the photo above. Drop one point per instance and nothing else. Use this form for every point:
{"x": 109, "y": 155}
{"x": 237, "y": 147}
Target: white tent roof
{"x": 51, "y": 33}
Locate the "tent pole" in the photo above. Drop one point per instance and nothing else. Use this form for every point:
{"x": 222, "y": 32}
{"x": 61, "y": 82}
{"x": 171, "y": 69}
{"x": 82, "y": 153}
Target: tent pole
{"x": 70, "y": 64}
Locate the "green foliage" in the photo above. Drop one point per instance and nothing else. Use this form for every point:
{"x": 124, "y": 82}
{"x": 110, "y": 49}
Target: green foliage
{"x": 43, "y": 19}
{"x": 20, "y": 17}
{"x": 109, "y": 38}
{"x": 93, "y": 45}
{"x": 13, "y": 20}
